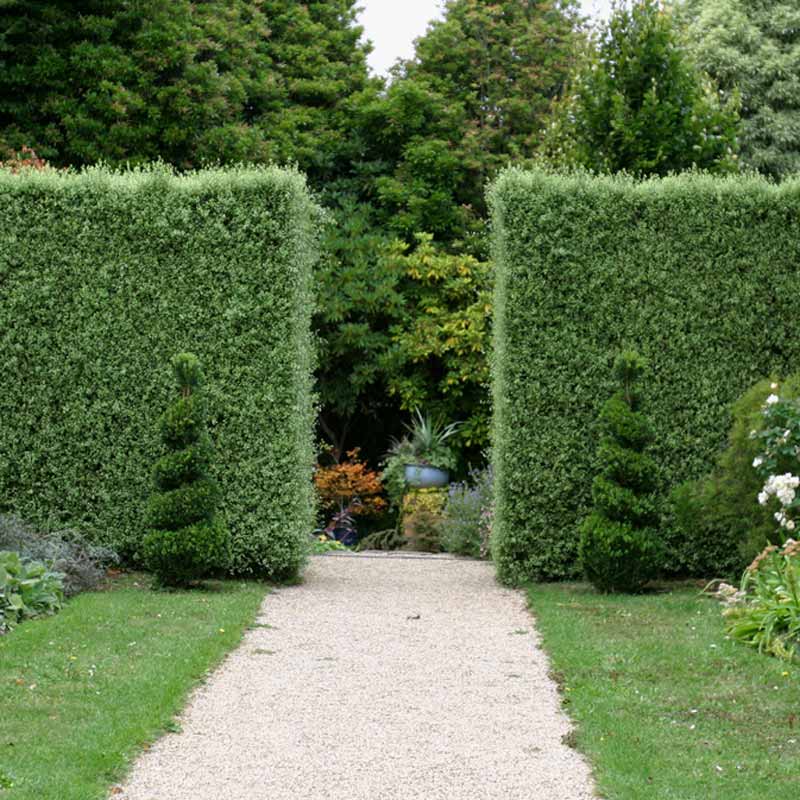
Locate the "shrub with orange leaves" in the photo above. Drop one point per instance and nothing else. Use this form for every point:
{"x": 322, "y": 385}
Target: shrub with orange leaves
{"x": 24, "y": 159}
{"x": 350, "y": 485}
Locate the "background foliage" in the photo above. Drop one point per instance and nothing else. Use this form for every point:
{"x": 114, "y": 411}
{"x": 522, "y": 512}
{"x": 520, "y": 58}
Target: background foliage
{"x": 105, "y": 275}
{"x": 474, "y": 96}
{"x": 186, "y": 82}
{"x": 637, "y": 102}
{"x": 718, "y": 525}
{"x": 697, "y": 273}
{"x": 752, "y": 47}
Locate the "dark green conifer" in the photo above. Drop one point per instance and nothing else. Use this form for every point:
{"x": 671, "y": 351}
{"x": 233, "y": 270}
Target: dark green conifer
{"x": 187, "y": 537}
{"x": 618, "y": 547}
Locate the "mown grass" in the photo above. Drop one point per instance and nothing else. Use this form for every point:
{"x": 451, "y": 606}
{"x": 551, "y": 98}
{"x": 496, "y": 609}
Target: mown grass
{"x": 82, "y": 692}
{"x": 666, "y": 707}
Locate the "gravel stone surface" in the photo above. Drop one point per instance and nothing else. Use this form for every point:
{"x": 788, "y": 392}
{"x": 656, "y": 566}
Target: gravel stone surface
{"x": 378, "y": 678}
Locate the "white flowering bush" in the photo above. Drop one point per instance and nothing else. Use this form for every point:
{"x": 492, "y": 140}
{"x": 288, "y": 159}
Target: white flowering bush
{"x": 779, "y": 462}
{"x": 765, "y": 611}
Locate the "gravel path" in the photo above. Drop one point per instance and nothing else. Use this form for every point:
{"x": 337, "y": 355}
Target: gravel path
{"x": 378, "y": 678}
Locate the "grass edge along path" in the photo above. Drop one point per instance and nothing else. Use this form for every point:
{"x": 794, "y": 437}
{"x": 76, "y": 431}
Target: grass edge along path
{"x": 665, "y": 706}
{"x": 81, "y": 693}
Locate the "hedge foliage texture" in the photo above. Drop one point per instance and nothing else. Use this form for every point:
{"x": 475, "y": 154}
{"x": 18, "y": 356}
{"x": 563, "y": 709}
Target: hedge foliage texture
{"x": 105, "y": 275}
{"x": 701, "y": 275}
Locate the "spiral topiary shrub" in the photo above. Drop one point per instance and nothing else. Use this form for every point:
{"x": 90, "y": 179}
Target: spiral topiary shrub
{"x": 618, "y": 545}
{"x": 188, "y": 537}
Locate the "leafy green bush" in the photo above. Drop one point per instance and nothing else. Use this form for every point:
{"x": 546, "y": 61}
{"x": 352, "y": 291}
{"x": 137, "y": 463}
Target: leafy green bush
{"x": 467, "y": 516}
{"x": 82, "y": 564}
{"x": 189, "y": 537}
{"x": 618, "y": 547}
{"x": 28, "y": 589}
{"x": 388, "y": 539}
{"x": 765, "y": 612}
{"x": 719, "y": 525}
{"x": 586, "y": 266}
{"x": 105, "y": 274}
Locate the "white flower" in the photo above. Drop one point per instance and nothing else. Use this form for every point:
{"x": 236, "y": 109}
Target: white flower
{"x": 752, "y": 434}
{"x": 780, "y": 517}
{"x": 758, "y": 461}
{"x": 784, "y": 487}
{"x": 790, "y": 525}
{"x": 786, "y": 434}
{"x": 772, "y": 399}
{"x": 773, "y": 386}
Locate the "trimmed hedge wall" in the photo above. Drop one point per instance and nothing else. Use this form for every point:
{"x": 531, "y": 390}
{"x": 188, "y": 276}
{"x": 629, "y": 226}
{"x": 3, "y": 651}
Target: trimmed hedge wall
{"x": 699, "y": 274}
{"x": 105, "y": 276}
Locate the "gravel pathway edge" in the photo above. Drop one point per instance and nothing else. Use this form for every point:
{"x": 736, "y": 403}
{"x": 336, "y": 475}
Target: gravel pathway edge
{"x": 378, "y": 678}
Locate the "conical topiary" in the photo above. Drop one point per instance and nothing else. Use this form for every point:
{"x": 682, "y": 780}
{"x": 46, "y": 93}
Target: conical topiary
{"x": 187, "y": 537}
{"x": 619, "y": 545}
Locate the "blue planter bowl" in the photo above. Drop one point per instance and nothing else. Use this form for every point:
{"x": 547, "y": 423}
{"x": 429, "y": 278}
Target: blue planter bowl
{"x": 421, "y": 476}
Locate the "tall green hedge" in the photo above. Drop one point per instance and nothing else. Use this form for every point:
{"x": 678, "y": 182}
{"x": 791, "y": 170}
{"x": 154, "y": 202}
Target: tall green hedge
{"x": 104, "y": 276}
{"x": 699, "y": 274}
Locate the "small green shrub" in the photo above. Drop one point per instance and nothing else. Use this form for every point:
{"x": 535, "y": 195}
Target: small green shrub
{"x": 82, "y": 564}
{"x": 421, "y": 519}
{"x": 388, "y": 539}
{"x": 765, "y": 612}
{"x": 188, "y": 537}
{"x": 28, "y": 589}
{"x": 423, "y": 530}
{"x": 618, "y": 546}
{"x": 319, "y": 545}
{"x": 466, "y": 520}
{"x": 719, "y": 527}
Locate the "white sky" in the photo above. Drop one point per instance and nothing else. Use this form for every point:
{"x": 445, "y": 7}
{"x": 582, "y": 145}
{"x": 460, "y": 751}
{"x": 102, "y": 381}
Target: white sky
{"x": 392, "y": 26}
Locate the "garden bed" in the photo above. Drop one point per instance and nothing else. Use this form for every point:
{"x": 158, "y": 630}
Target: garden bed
{"x": 82, "y": 692}
{"x": 665, "y": 705}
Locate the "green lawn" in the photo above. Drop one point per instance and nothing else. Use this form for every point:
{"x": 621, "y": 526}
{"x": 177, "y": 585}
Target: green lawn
{"x": 665, "y": 705}
{"x": 81, "y": 692}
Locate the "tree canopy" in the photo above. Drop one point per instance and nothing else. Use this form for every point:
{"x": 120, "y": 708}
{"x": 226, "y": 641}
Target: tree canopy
{"x": 472, "y": 99}
{"x": 180, "y": 80}
{"x": 404, "y": 319}
{"x": 638, "y": 103}
{"x": 752, "y": 47}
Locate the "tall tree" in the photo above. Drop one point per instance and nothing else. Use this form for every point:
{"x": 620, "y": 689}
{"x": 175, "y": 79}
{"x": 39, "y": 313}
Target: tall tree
{"x": 502, "y": 62}
{"x": 473, "y": 98}
{"x": 182, "y": 80}
{"x": 360, "y": 298}
{"x": 638, "y": 103}
{"x": 753, "y": 47}
{"x": 406, "y": 326}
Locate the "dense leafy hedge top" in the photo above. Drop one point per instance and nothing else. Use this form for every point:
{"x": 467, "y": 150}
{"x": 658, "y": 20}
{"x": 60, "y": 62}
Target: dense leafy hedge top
{"x": 105, "y": 276}
{"x": 699, "y": 274}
